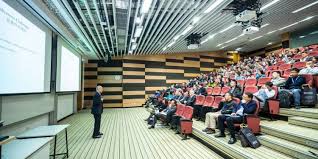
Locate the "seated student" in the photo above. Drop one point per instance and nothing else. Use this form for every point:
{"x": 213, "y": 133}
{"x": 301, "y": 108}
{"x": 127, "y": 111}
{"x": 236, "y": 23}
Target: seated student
{"x": 165, "y": 114}
{"x": 225, "y": 107}
{"x": 305, "y": 57}
{"x": 201, "y": 90}
{"x": 294, "y": 84}
{"x": 277, "y": 80}
{"x": 259, "y": 74}
{"x": 310, "y": 69}
{"x": 266, "y": 92}
{"x": 178, "y": 95}
{"x": 247, "y": 106}
{"x": 235, "y": 89}
{"x": 184, "y": 98}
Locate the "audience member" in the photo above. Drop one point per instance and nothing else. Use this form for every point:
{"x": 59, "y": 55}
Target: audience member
{"x": 294, "y": 84}
{"x": 266, "y": 92}
{"x": 277, "y": 80}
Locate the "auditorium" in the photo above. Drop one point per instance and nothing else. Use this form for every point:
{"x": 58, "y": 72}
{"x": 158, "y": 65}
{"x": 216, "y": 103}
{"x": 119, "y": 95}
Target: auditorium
{"x": 158, "y": 79}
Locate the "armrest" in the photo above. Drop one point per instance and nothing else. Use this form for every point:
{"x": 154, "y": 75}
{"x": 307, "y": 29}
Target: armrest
{"x": 186, "y": 120}
{"x": 250, "y": 115}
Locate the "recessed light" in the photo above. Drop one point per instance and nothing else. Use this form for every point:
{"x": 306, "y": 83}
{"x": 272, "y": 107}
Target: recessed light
{"x": 301, "y": 37}
{"x": 270, "y": 43}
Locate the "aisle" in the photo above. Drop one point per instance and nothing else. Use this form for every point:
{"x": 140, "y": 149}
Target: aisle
{"x": 126, "y": 136}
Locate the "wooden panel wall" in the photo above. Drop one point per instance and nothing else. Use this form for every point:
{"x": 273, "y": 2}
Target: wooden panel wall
{"x": 141, "y": 76}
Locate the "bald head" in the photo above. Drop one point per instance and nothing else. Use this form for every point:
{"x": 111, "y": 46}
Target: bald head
{"x": 99, "y": 89}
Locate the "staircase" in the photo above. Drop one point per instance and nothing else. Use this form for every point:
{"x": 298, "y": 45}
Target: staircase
{"x": 297, "y": 138}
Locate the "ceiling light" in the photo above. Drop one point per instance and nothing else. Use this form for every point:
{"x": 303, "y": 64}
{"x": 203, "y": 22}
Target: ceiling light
{"x": 171, "y": 43}
{"x": 219, "y": 45}
{"x": 130, "y": 52}
{"x": 187, "y": 30}
{"x": 103, "y": 23}
{"x": 223, "y": 47}
{"x": 264, "y": 25}
{"x": 204, "y": 41}
{"x": 308, "y": 18}
{"x": 139, "y": 20}
{"x": 146, "y": 6}
{"x": 228, "y": 28}
{"x": 304, "y": 7}
{"x": 164, "y": 48}
{"x": 214, "y": 5}
{"x": 290, "y": 25}
{"x": 195, "y": 20}
{"x": 270, "y": 43}
{"x": 238, "y": 49}
{"x": 315, "y": 32}
{"x": 138, "y": 31}
{"x": 122, "y": 4}
{"x": 133, "y": 47}
{"x": 268, "y": 4}
{"x": 133, "y": 40}
{"x": 271, "y": 32}
{"x": 256, "y": 38}
{"x": 301, "y": 37}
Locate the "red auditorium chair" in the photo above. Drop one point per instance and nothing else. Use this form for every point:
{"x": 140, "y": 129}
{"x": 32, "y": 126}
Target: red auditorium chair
{"x": 309, "y": 80}
{"x": 274, "y": 67}
{"x": 313, "y": 53}
{"x": 217, "y": 101}
{"x": 263, "y": 80}
{"x": 199, "y": 100}
{"x": 299, "y": 65}
{"x": 180, "y": 109}
{"x": 241, "y": 82}
{"x": 286, "y": 73}
{"x": 297, "y": 57}
{"x": 251, "y": 89}
{"x": 208, "y": 101}
{"x": 273, "y": 104}
{"x": 225, "y": 90}
{"x": 216, "y": 91}
{"x": 209, "y": 90}
{"x": 250, "y": 82}
{"x": 186, "y": 122}
{"x": 280, "y": 63}
{"x": 285, "y": 66}
{"x": 236, "y": 100}
{"x": 313, "y": 46}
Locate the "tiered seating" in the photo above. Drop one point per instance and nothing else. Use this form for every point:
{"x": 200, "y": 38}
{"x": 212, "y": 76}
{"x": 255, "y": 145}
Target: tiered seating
{"x": 208, "y": 101}
{"x": 217, "y": 101}
{"x": 209, "y": 90}
{"x": 224, "y": 90}
{"x": 299, "y": 65}
{"x": 250, "y": 82}
{"x": 263, "y": 80}
{"x": 251, "y": 89}
{"x": 186, "y": 122}
{"x": 216, "y": 91}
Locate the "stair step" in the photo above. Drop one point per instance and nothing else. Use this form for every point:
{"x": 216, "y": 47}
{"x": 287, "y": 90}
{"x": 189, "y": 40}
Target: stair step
{"x": 281, "y": 129}
{"x": 303, "y": 112}
{"x": 290, "y": 148}
{"x": 304, "y": 122}
{"x": 236, "y": 150}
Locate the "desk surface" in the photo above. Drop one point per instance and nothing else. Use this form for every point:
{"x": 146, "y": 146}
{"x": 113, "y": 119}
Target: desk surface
{"x": 43, "y": 131}
{"x": 23, "y": 148}
{"x": 7, "y": 140}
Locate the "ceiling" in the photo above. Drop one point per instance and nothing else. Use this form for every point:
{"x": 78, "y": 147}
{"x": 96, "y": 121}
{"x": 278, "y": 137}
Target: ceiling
{"x": 107, "y": 27}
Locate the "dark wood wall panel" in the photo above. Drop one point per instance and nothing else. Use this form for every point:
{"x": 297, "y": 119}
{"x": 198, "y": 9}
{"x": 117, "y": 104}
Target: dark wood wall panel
{"x": 130, "y": 80}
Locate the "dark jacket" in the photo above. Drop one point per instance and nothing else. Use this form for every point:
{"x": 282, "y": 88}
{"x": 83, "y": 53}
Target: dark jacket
{"x": 184, "y": 99}
{"x": 202, "y": 91}
{"x": 250, "y": 107}
{"x": 295, "y": 82}
{"x": 237, "y": 92}
{"x": 97, "y": 107}
{"x": 191, "y": 100}
{"x": 226, "y": 107}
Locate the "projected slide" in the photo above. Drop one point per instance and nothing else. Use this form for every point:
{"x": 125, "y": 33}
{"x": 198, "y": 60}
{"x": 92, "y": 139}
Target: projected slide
{"x": 70, "y": 71}
{"x": 22, "y": 53}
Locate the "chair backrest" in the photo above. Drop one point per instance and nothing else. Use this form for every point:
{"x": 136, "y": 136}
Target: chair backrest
{"x": 216, "y": 91}
{"x": 225, "y": 90}
{"x": 199, "y": 99}
{"x": 241, "y": 82}
{"x": 187, "y": 113}
{"x": 236, "y": 100}
{"x": 209, "y": 90}
{"x": 274, "y": 67}
{"x": 180, "y": 109}
{"x": 299, "y": 65}
{"x": 287, "y": 72}
{"x": 208, "y": 101}
{"x": 297, "y": 57}
{"x": 217, "y": 101}
{"x": 313, "y": 46}
{"x": 263, "y": 80}
{"x": 313, "y": 53}
{"x": 250, "y": 82}
{"x": 251, "y": 89}
{"x": 280, "y": 63}
{"x": 309, "y": 79}
{"x": 285, "y": 66}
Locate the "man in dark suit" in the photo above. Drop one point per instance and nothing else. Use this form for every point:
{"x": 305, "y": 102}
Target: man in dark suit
{"x": 97, "y": 111}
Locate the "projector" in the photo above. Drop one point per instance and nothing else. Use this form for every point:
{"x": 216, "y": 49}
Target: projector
{"x": 251, "y": 30}
{"x": 246, "y": 15}
{"x": 193, "y": 46}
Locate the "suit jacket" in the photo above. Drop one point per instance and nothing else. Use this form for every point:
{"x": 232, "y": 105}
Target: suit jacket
{"x": 191, "y": 100}
{"x": 237, "y": 92}
{"x": 185, "y": 98}
{"x": 97, "y": 107}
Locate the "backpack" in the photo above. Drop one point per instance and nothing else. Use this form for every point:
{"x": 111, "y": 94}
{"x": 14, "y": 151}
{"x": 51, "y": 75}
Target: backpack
{"x": 309, "y": 97}
{"x": 248, "y": 138}
{"x": 285, "y": 98}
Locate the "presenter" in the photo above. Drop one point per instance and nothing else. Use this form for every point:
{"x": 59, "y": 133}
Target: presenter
{"x": 97, "y": 111}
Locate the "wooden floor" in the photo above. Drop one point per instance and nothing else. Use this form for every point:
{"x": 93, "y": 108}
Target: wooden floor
{"x": 126, "y": 136}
